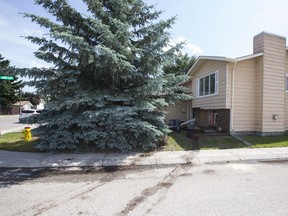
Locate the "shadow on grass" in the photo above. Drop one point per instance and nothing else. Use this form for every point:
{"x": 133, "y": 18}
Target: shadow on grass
{"x": 19, "y": 146}
{"x": 187, "y": 140}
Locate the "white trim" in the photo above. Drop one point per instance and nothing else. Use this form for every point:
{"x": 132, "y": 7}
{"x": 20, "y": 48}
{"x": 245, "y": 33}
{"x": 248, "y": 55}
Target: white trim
{"x": 216, "y": 82}
{"x": 197, "y": 87}
{"x": 226, "y": 85}
{"x": 204, "y": 96}
{"x": 212, "y": 58}
{"x": 242, "y": 58}
{"x": 232, "y": 99}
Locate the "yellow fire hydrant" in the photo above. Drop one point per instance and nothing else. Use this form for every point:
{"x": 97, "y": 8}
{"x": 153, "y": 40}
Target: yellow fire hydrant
{"x": 27, "y": 136}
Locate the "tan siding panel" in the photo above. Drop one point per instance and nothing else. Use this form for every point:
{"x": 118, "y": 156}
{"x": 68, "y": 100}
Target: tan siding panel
{"x": 273, "y": 80}
{"x": 216, "y": 101}
{"x": 244, "y": 102}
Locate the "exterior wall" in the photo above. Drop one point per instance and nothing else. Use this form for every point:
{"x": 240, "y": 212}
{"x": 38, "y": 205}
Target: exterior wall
{"x": 286, "y": 96}
{"x": 216, "y": 101}
{"x": 274, "y": 65}
{"x": 203, "y": 118}
{"x": 229, "y": 86}
{"x": 181, "y": 111}
{"x": 244, "y": 96}
{"x": 286, "y": 111}
{"x": 259, "y": 94}
{"x": 188, "y": 85}
{"x": 173, "y": 112}
{"x": 224, "y": 119}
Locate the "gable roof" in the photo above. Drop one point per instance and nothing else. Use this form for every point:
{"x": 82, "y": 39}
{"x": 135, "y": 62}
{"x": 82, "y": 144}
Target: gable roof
{"x": 22, "y": 103}
{"x": 203, "y": 59}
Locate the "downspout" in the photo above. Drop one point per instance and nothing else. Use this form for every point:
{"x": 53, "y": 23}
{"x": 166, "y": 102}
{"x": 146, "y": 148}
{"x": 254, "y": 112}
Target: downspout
{"x": 232, "y": 100}
{"x": 226, "y": 90}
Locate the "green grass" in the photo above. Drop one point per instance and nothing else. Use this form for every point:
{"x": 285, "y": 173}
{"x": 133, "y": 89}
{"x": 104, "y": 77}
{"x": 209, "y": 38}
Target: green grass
{"x": 178, "y": 141}
{"x": 268, "y": 141}
{"x": 14, "y": 142}
{"x": 220, "y": 142}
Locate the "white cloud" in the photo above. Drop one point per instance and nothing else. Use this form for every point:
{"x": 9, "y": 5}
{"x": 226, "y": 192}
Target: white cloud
{"x": 3, "y": 22}
{"x": 188, "y": 47}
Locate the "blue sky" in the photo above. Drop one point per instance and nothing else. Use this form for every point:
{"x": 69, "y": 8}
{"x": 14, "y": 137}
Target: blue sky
{"x": 210, "y": 27}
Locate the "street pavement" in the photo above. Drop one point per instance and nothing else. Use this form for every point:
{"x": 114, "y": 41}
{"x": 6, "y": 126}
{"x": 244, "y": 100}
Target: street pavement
{"x": 9, "y": 159}
{"x": 10, "y": 123}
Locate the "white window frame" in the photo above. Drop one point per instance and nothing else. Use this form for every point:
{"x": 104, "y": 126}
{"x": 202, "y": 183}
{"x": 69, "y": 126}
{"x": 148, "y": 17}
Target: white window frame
{"x": 203, "y": 77}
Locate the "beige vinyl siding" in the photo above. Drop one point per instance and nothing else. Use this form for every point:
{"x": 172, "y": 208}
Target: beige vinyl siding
{"x": 244, "y": 96}
{"x": 183, "y": 111}
{"x": 229, "y": 87}
{"x": 286, "y": 96}
{"x": 259, "y": 94}
{"x": 178, "y": 111}
{"x": 286, "y": 111}
{"x": 258, "y": 44}
{"x": 188, "y": 86}
{"x": 274, "y": 66}
{"x": 217, "y": 101}
{"x": 173, "y": 112}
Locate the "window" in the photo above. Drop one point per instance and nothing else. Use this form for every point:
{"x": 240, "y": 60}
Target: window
{"x": 207, "y": 85}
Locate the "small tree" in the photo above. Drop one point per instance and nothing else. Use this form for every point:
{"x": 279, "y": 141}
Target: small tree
{"x": 33, "y": 98}
{"x": 180, "y": 65}
{"x": 107, "y": 89}
{"x": 9, "y": 90}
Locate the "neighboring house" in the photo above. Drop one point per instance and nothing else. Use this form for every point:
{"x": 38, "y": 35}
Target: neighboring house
{"x": 41, "y": 104}
{"x": 245, "y": 94}
{"x": 20, "y": 105}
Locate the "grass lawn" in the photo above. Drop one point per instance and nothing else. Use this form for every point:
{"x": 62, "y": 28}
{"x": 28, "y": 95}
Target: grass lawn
{"x": 268, "y": 141}
{"x": 178, "y": 141}
{"x": 14, "y": 142}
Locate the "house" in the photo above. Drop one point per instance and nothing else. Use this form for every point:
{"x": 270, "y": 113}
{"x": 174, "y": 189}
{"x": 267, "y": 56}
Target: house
{"x": 20, "y": 105}
{"x": 41, "y": 105}
{"x": 240, "y": 95}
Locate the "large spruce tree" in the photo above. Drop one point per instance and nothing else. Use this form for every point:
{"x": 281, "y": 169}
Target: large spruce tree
{"x": 9, "y": 90}
{"x": 106, "y": 88}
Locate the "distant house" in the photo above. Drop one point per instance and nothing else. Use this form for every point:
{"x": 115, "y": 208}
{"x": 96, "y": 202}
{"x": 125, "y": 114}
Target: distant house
{"x": 20, "y": 105}
{"x": 245, "y": 94}
{"x": 41, "y": 104}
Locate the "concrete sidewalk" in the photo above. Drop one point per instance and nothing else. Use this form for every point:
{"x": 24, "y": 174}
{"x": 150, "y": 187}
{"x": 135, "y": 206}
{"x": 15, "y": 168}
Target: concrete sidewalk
{"x": 10, "y": 159}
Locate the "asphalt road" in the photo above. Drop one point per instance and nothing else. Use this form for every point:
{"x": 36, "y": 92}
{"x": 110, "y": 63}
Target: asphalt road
{"x": 10, "y": 123}
{"x": 221, "y": 189}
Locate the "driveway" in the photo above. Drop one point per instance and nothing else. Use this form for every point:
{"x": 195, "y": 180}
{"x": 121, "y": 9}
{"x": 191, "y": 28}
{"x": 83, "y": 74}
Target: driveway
{"x": 10, "y": 123}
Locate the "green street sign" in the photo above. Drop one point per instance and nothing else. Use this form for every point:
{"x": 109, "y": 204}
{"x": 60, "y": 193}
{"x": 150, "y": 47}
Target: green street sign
{"x": 6, "y": 78}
